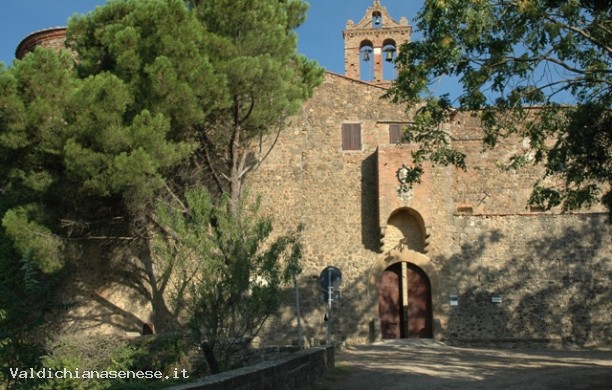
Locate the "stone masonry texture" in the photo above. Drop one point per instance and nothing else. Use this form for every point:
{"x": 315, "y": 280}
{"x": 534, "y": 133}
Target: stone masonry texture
{"x": 516, "y": 273}
{"x": 475, "y": 229}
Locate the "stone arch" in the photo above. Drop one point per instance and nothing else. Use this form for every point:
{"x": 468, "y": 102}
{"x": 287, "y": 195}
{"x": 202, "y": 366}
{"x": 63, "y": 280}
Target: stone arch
{"x": 389, "y": 52}
{"x": 398, "y": 256}
{"x": 366, "y": 60}
{"x": 405, "y": 228}
{"x": 366, "y": 43}
{"x": 377, "y": 21}
{"x": 389, "y": 42}
{"x": 394, "y": 257}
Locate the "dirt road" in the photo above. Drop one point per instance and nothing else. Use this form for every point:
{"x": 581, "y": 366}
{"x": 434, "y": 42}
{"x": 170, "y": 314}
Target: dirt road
{"x": 428, "y": 364}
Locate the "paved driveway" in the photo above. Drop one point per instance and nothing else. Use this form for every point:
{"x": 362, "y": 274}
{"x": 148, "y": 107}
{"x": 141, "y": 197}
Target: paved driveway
{"x": 428, "y": 364}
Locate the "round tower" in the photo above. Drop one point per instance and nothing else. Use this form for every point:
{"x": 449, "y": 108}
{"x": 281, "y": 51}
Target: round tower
{"x": 371, "y": 46}
{"x": 52, "y": 38}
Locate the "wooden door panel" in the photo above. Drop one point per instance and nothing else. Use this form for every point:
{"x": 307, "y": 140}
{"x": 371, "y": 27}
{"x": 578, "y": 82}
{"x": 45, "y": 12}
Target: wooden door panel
{"x": 400, "y": 318}
{"x": 389, "y": 303}
{"x": 419, "y": 303}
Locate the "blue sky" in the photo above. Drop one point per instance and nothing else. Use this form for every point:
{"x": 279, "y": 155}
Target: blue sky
{"x": 320, "y": 37}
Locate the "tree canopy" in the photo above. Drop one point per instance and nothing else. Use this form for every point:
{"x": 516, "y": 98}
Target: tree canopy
{"x": 152, "y": 98}
{"x": 163, "y": 94}
{"x": 535, "y": 69}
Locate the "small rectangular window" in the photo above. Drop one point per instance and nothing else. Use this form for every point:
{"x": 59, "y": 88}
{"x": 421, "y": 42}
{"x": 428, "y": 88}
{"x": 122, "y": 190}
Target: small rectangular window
{"x": 351, "y": 136}
{"x": 396, "y": 134}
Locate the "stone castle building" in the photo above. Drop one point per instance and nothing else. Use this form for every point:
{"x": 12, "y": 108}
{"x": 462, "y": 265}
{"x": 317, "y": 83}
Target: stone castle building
{"x": 459, "y": 256}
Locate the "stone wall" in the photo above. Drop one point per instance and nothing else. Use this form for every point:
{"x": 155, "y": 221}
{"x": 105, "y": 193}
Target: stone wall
{"x": 52, "y": 38}
{"x": 472, "y": 231}
{"x": 552, "y": 274}
{"x": 299, "y": 370}
{"x": 550, "y": 270}
{"x": 309, "y": 179}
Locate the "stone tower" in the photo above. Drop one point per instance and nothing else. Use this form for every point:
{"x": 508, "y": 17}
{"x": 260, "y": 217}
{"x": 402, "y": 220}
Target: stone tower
{"x": 371, "y": 43}
{"x": 54, "y": 38}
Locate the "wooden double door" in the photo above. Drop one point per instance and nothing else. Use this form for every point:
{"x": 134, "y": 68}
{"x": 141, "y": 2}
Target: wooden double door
{"x": 404, "y": 302}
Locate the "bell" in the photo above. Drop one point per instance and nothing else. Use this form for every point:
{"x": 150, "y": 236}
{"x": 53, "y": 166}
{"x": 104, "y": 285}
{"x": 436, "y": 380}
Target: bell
{"x": 389, "y": 56}
{"x": 377, "y": 20}
{"x": 366, "y": 55}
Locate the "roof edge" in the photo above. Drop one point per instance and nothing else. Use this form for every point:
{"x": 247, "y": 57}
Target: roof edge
{"x": 357, "y": 80}
{"x": 33, "y": 39}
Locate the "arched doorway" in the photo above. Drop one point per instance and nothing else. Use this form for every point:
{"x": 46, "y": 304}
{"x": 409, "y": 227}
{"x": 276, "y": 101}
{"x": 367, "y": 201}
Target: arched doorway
{"x": 404, "y": 302}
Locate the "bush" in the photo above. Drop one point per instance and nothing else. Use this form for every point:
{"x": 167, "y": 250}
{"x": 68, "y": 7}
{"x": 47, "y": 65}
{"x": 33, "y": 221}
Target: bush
{"x": 165, "y": 353}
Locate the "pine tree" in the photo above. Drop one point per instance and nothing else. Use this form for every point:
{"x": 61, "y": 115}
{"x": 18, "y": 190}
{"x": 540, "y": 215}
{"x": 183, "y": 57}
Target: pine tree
{"x": 152, "y": 97}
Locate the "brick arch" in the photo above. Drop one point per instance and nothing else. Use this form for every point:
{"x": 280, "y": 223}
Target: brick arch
{"x": 366, "y": 43}
{"x": 405, "y": 227}
{"x": 406, "y": 255}
{"x": 389, "y": 42}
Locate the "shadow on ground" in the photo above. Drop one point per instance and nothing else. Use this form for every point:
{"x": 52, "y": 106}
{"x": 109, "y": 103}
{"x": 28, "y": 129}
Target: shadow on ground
{"x": 428, "y": 364}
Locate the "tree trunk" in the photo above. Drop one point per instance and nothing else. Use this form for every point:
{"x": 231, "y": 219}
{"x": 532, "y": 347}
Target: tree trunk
{"x": 162, "y": 317}
{"x": 209, "y": 354}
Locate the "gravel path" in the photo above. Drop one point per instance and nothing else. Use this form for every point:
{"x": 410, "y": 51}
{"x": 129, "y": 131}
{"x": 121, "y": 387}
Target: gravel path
{"x": 428, "y": 364}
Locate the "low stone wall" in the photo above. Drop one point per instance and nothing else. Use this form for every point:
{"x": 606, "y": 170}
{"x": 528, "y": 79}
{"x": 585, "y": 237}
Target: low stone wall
{"x": 299, "y": 370}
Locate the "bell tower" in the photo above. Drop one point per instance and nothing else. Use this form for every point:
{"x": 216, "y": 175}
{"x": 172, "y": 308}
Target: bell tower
{"x": 371, "y": 46}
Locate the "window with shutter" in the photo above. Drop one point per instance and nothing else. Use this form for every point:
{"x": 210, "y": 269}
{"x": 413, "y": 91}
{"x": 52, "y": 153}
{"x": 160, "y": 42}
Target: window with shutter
{"x": 351, "y": 136}
{"x": 395, "y": 134}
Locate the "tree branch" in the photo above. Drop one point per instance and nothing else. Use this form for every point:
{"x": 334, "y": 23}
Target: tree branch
{"x": 579, "y": 31}
{"x": 276, "y": 137}
{"x": 165, "y": 229}
{"x": 204, "y": 146}
{"x": 249, "y": 111}
{"x": 176, "y": 198}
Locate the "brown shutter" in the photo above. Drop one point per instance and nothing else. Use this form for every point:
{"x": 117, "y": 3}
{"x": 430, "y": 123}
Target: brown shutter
{"x": 351, "y": 136}
{"x": 356, "y": 137}
{"x": 395, "y": 133}
{"x": 346, "y": 136}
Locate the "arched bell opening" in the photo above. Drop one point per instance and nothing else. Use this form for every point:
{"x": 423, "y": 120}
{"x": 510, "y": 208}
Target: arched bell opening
{"x": 366, "y": 61}
{"x": 389, "y": 52}
{"x": 377, "y": 20}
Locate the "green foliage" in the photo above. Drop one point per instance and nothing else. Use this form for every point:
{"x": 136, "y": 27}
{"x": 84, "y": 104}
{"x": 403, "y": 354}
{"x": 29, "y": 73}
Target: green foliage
{"x": 24, "y": 301}
{"x": 159, "y": 50}
{"x": 241, "y": 269}
{"x": 34, "y": 239}
{"x": 103, "y": 354}
{"x": 78, "y": 146}
{"x": 264, "y": 79}
{"x": 163, "y": 95}
{"x": 509, "y": 56}
{"x": 24, "y": 289}
{"x": 153, "y": 98}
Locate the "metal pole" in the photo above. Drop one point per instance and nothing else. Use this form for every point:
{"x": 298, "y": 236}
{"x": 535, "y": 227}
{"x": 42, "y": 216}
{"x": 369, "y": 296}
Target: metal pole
{"x": 297, "y": 312}
{"x": 329, "y": 306}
